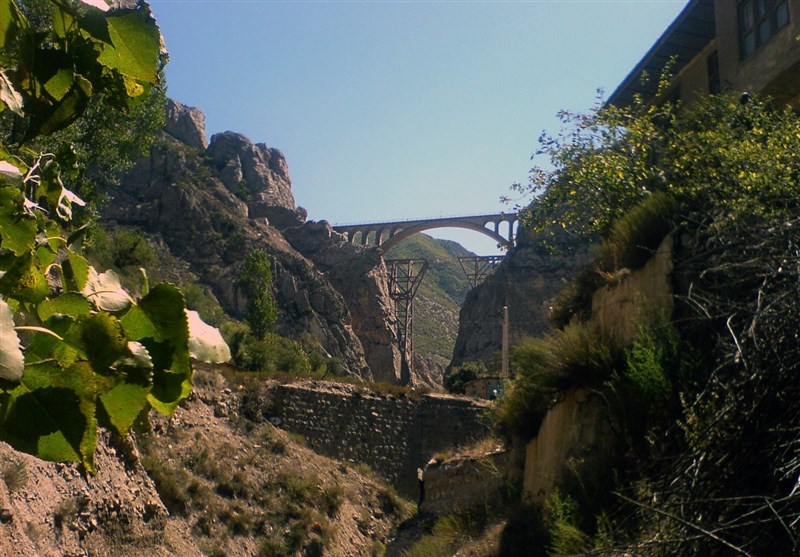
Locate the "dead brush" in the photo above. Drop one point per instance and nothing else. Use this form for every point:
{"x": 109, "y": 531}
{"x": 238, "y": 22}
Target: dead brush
{"x": 15, "y": 475}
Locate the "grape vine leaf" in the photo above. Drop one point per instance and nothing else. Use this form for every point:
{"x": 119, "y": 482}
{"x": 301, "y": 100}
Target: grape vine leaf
{"x": 136, "y": 45}
{"x": 205, "y": 342}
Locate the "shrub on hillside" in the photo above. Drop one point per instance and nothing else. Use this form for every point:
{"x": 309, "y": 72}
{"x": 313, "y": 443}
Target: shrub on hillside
{"x": 457, "y": 379}
{"x": 580, "y": 354}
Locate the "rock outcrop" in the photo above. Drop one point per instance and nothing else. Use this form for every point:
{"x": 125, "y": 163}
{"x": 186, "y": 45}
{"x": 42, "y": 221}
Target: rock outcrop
{"x": 257, "y": 174}
{"x": 186, "y": 124}
{"x": 190, "y": 198}
{"x": 359, "y": 274}
{"x": 526, "y": 281}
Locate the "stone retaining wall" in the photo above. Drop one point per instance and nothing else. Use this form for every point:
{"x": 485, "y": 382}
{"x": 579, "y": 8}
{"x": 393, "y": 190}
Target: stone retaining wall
{"x": 466, "y": 483}
{"x": 393, "y": 434}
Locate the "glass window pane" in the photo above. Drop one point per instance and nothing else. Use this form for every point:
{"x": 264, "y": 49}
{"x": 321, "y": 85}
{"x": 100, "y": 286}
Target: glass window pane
{"x": 749, "y": 43}
{"x": 764, "y": 31}
{"x": 782, "y": 14}
{"x": 747, "y": 16}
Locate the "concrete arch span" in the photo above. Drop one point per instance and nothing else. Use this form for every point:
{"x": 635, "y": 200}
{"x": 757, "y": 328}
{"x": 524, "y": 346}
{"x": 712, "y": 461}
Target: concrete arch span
{"x": 395, "y": 239}
{"x": 389, "y": 234}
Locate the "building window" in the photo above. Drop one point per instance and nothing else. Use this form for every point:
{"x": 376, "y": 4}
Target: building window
{"x": 714, "y": 84}
{"x": 758, "y": 21}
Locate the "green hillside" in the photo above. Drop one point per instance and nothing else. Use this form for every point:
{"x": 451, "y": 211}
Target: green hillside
{"x": 440, "y": 295}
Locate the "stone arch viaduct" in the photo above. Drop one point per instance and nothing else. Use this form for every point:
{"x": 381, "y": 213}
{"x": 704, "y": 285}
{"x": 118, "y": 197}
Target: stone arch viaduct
{"x": 388, "y": 234}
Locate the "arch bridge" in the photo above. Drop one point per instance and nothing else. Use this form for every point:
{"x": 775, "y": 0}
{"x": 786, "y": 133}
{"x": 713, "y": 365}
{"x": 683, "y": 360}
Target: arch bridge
{"x": 388, "y": 234}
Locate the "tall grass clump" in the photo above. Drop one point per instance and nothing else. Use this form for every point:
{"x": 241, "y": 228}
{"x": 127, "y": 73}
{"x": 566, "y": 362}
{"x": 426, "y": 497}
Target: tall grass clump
{"x": 563, "y": 518}
{"x": 636, "y": 235}
{"x": 580, "y": 354}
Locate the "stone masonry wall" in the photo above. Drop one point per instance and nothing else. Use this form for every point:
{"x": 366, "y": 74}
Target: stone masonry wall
{"x": 393, "y": 434}
{"x": 466, "y": 483}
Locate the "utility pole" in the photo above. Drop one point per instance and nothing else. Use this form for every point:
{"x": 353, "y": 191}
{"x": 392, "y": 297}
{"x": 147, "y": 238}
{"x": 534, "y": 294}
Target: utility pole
{"x": 504, "y": 369}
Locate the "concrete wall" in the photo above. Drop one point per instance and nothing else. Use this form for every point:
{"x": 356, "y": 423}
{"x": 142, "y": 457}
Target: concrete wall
{"x": 393, "y": 434}
{"x": 466, "y": 483}
{"x": 577, "y": 432}
{"x": 617, "y": 307}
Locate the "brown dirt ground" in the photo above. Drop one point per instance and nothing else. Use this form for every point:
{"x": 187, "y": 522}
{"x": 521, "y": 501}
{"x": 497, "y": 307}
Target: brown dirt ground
{"x": 228, "y": 486}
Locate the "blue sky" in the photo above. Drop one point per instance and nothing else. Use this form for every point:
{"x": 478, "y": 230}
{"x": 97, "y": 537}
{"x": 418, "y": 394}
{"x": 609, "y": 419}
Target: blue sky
{"x": 392, "y": 110}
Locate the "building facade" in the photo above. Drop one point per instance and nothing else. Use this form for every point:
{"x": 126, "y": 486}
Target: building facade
{"x": 722, "y": 45}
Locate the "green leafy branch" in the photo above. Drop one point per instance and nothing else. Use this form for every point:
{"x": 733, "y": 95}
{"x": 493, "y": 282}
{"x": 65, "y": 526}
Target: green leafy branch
{"x": 76, "y": 351}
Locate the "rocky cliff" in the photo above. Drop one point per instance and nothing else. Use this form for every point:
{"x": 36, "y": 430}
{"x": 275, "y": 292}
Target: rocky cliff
{"x": 213, "y": 202}
{"x": 526, "y": 281}
{"x": 360, "y": 275}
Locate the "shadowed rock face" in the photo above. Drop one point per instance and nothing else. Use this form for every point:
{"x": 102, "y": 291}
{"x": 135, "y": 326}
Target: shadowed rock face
{"x": 526, "y": 282}
{"x": 358, "y": 273}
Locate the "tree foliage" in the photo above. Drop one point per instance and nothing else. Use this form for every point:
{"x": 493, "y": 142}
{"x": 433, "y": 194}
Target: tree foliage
{"x": 77, "y": 351}
{"x": 718, "y": 156}
{"x": 457, "y": 379}
{"x": 713, "y": 467}
{"x": 256, "y": 279}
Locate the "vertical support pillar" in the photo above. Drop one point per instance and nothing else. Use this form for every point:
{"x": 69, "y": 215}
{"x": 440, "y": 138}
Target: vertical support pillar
{"x": 504, "y": 365}
{"x": 405, "y": 276}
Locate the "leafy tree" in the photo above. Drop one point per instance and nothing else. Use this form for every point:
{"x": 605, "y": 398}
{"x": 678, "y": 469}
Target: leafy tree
{"x": 77, "y": 351}
{"x": 256, "y": 279}
{"x": 707, "y": 403}
{"x": 719, "y": 156}
{"x": 98, "y": 148}
{"x": 457, "y": 379}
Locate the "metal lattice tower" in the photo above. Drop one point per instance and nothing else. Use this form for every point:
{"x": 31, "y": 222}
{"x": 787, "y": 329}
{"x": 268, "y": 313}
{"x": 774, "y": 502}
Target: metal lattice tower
{"x": 405, "y": 276}
{"x": 477, "y": 268}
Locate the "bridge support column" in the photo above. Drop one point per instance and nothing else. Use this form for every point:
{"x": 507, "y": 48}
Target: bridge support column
{"x": 405, "y": 276}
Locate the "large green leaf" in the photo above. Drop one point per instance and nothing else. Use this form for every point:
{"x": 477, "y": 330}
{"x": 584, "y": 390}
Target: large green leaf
{"x": 61, "y": 114}
{"x": 169, "y": 389}
{"x": 63, "y": 22}
{"x": 17, "y": 232}
{"x": 70, "y": 303}
{"x": 164, "y": 307}
{"x": 76, "y": 271}
{"x": 137, "y": 44}
{"x": 12, "y": 361}
{"x": 60, "y": 84}
{"x": 46, "y": 346}
{"x": 11, "y": 21}
{"x": 168, "y": 347}
{"x": 124, "y": 402}
{"x": 25, "y": 280}
{"x": 101, "y": 338}
{"x": 137, "y": 325}
{"x": 52, "y": 414}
